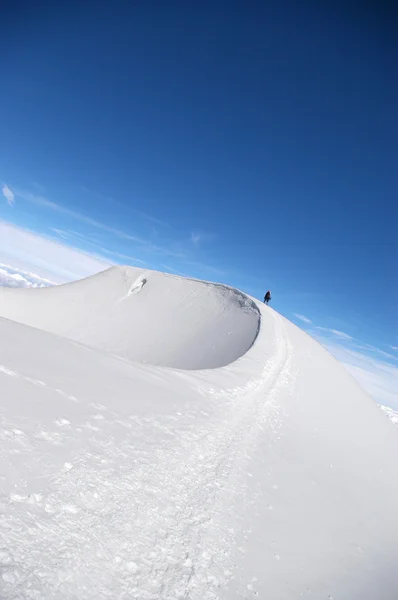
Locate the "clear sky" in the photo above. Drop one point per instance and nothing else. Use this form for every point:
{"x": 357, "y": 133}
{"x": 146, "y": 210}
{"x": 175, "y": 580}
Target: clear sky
{"x": 253, "y": 143}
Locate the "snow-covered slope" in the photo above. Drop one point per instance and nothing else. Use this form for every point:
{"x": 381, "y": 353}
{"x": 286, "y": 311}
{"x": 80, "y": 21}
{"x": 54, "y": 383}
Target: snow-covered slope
{"x": 273, "y": 476}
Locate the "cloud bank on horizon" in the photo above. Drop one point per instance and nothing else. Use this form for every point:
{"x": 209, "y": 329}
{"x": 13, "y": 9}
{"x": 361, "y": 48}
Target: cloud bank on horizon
{"x": 13, "y": 277}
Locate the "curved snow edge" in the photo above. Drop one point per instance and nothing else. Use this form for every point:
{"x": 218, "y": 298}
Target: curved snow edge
{"x": 144, "y": 316}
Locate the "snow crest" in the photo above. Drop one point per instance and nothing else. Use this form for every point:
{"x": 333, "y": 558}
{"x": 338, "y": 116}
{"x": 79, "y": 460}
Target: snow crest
{"x": 144, "y": 316}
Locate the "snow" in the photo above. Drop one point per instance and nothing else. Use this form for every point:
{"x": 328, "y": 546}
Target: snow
{"x": 165, "y": 438}
{"x": 170, "y": 321}
{"x": 392, "y": 414}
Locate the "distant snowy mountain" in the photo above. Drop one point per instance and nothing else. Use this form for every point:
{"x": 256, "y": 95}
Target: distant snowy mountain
{"x": 166, "y": 438}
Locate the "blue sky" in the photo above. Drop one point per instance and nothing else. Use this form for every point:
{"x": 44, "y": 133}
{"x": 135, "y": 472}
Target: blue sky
{"x": 251, "y": 144}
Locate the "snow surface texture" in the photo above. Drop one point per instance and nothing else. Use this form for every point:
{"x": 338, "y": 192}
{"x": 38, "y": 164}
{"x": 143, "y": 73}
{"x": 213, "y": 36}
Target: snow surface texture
{"x": 272, "y": 476}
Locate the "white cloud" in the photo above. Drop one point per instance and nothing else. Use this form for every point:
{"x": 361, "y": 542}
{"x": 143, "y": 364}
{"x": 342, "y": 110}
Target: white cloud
{"x": 12, "y": 277}
{"x": 337, "y": 333}
{"x": 8, "y": 194}
{"x": 341, "y": 334}
{"x": 303, "y": 318}
{"x": 394, "y": 347}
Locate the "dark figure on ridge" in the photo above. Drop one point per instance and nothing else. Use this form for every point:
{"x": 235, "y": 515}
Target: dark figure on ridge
{"x": 267, "y": 297}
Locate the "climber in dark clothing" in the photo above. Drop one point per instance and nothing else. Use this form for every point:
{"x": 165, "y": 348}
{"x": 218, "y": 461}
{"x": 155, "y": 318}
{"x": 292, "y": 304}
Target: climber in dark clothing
{"x": 267, "y": 297}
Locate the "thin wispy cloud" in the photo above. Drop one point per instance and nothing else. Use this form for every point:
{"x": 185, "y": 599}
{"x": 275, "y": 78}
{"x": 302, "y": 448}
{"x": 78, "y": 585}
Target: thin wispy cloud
{"x": 8, "y": 194}
{"x": 76, "y": 237}
{"x": 337, "y": 333}
{"x": 172, "y": 270}
{"x": 303, "y": 318}
{"x": 146, "y": 244}
{"x": 112, "y": 200}
{"x": 341, "y": 334}
{"x": 207, "y": 270}
{"x": 195, "y": 238}
{"x": 124, "y": 257}
{"x": 199, "y": 237}
{"x": 379, "y": 351}
{"x": 394, "y": 347}
{"x": 175, "y": 249}
{"x": 71, "y": 234}
{"x": 42, "y": 201}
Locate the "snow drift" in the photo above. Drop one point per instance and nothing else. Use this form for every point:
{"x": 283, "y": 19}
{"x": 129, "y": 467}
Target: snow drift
{"x": 144, "y": 316}
{"x": 272, "y": 476}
